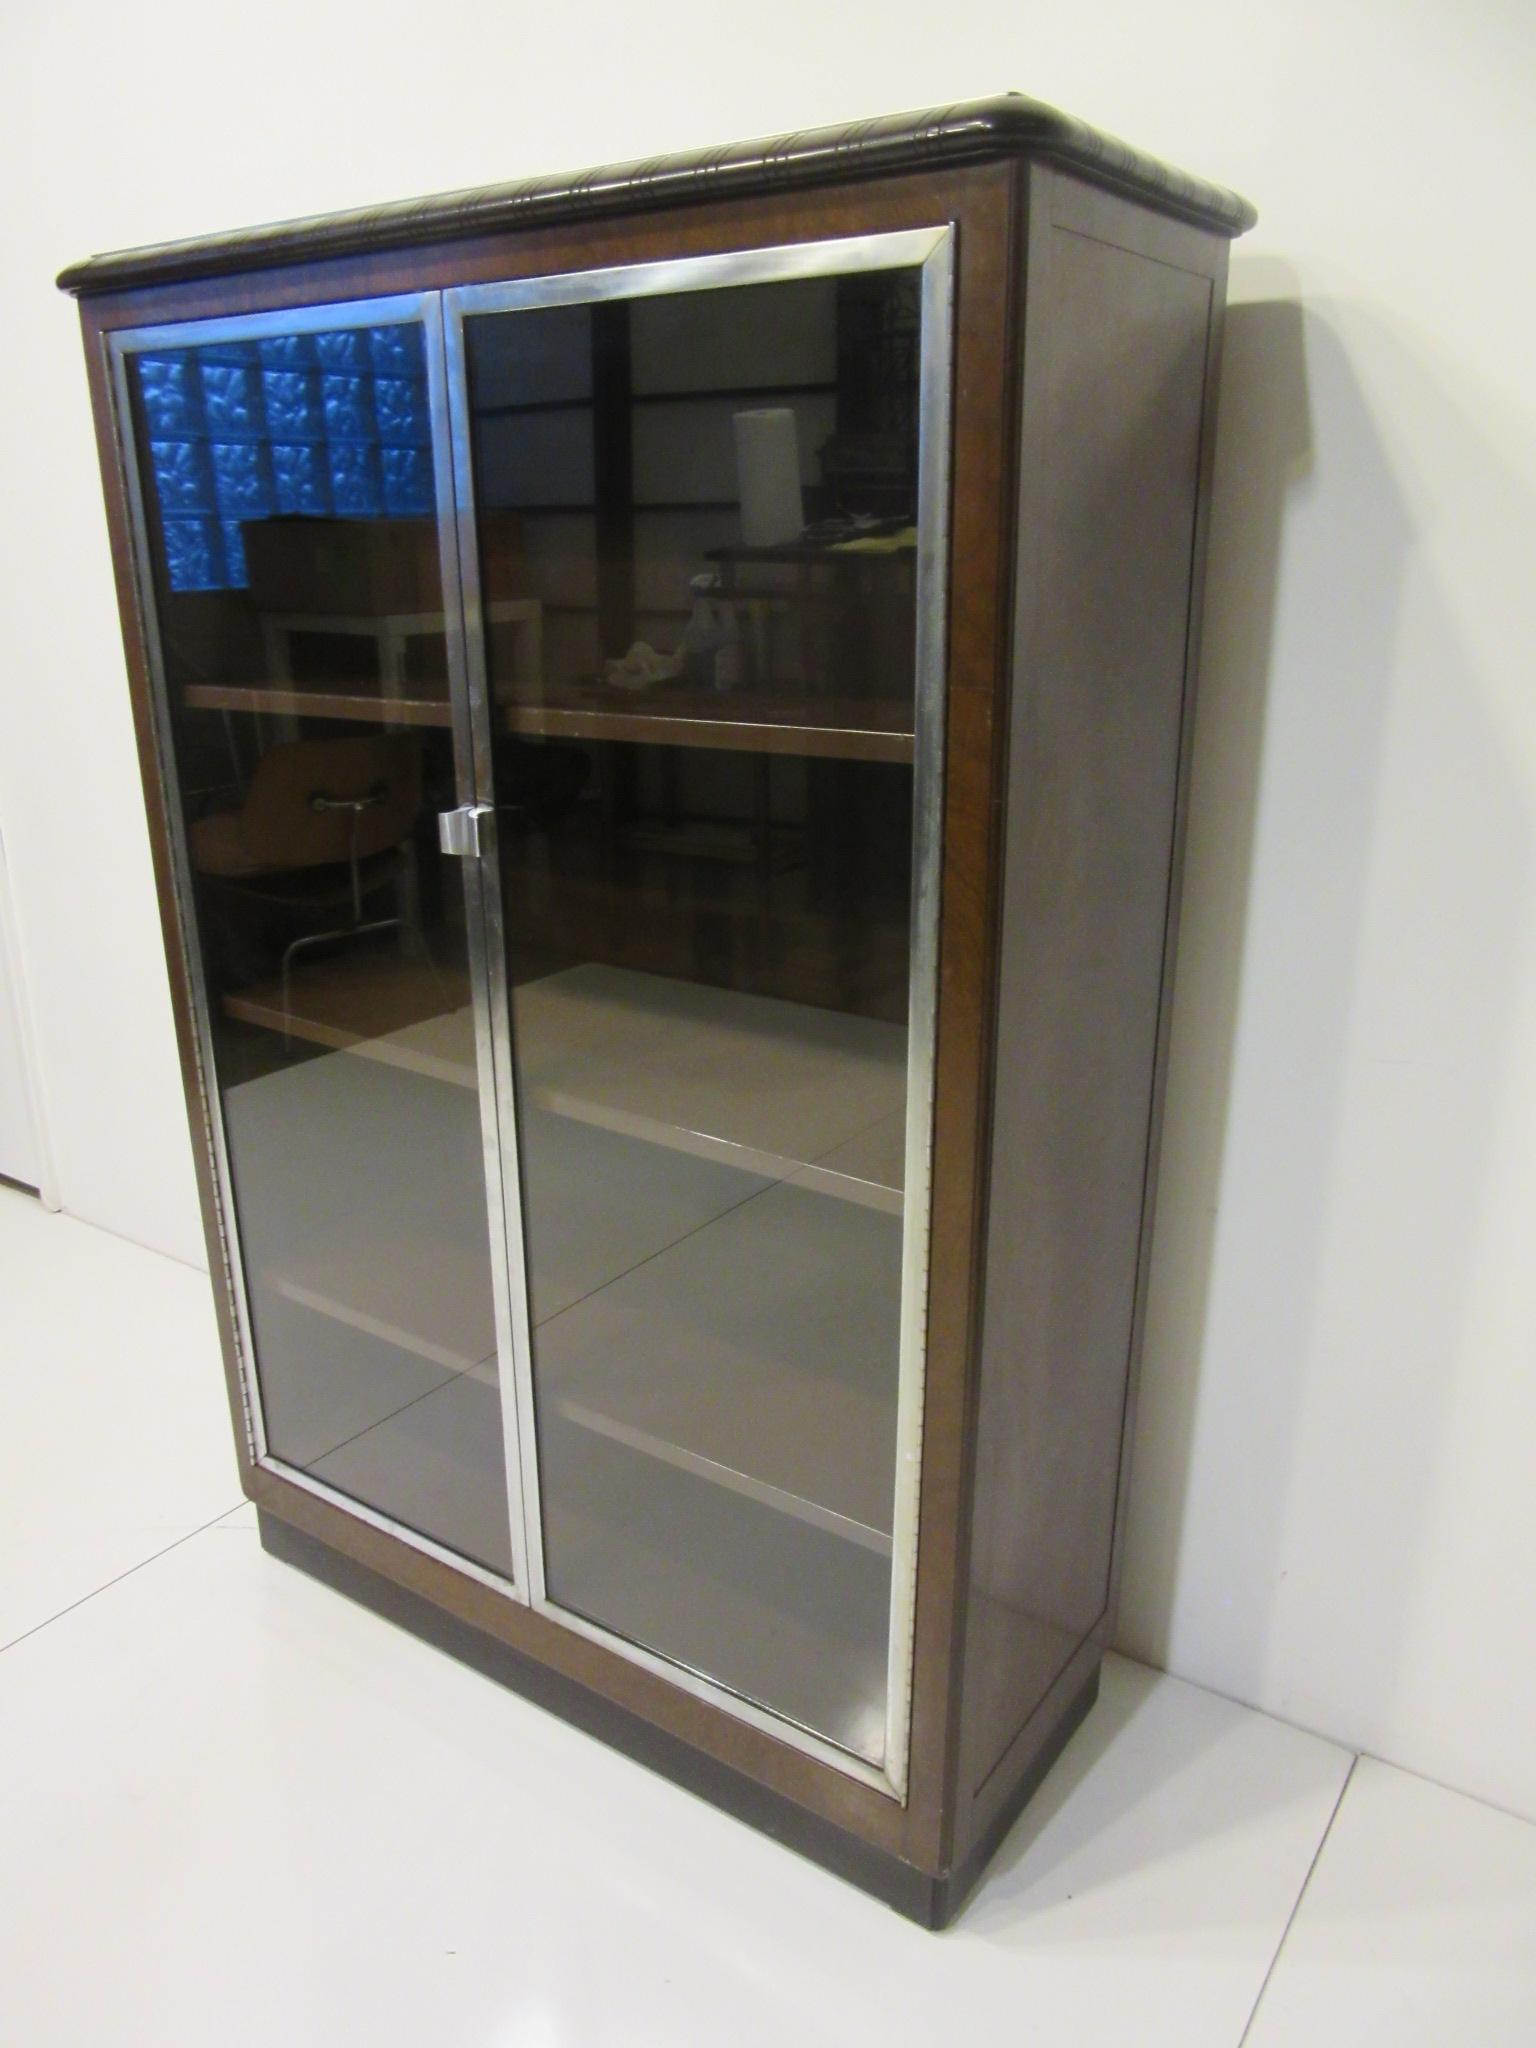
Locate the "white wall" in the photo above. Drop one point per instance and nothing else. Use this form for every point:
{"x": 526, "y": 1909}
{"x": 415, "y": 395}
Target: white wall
{"x": 1334, "y": 1513}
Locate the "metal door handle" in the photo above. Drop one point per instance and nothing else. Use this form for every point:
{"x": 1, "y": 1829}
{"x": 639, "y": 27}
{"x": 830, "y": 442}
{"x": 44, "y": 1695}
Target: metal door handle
{"x": 458, "y": 832}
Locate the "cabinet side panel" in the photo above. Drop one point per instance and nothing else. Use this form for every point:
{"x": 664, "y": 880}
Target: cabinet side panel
{"x": 1115, "y": 373}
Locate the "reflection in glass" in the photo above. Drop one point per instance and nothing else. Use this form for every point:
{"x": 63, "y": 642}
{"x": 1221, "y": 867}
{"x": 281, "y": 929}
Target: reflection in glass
{"x": 288, "y": 493}
{"x": 698, "y": 521}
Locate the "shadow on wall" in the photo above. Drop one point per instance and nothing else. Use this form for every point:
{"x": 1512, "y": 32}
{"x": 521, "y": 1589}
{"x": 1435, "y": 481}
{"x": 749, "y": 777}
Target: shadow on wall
{"x": 1334, "y": 1083}
{"x": 1263, "y": 456}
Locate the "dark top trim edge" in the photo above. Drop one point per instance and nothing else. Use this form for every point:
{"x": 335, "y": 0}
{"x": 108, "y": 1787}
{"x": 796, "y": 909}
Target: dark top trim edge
{"x": 1004, "y": 126}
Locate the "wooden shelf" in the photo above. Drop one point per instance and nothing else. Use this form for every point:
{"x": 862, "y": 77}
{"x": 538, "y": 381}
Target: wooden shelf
{"x": 759, "y": 722}
{"x": 824, "y": 728}
{"x": 771, "y": 1088}
{"x": 329, "y": 1222}
{"x": 361, "y": 999}
{"x": 331, "y": 1225}
{"x": 759, "y": 1354}
{"x": 784, "y": 1396}
{"x": 754, "y": 1082}
{"x": 371, "y": 708}
{"x": 779, "y": 1611}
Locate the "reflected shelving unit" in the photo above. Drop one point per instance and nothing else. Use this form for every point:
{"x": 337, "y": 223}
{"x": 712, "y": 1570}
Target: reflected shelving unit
{"x": 665, "y": 702}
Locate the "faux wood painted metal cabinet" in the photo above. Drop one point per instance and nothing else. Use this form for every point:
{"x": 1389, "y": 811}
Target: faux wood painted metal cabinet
{"x": 664, "y": 705}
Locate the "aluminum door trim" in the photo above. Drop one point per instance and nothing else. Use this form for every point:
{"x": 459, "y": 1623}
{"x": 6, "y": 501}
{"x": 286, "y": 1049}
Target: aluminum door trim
{"x": 120, "y": 346}
{"x": 506, "y": 1283}
{"x": 903, "y": 248}
{"x": 501, "y": 1093}
{"x": 930, "y": 250}
{"x": 935, "y": 383}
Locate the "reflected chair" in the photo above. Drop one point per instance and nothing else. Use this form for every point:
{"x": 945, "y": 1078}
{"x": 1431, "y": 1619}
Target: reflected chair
{"x": 324, "y": 826}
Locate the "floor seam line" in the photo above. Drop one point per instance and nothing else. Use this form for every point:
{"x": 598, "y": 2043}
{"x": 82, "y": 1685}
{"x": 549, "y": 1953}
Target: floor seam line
{"x": 1290, "y": 1919}
{"x": 1370, "y": 1756}
{"x": 310, "y": 1465}
{"x": 651, "y": 1257}
{"x": 154, "y": 1251}
{"x": 118, "y": 1577}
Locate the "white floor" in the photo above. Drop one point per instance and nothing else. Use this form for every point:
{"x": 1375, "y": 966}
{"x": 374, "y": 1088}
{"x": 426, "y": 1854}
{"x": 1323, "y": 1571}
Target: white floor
{"x": 234, "y": 1808}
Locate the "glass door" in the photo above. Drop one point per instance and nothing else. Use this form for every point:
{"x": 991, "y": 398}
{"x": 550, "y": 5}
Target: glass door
{"x": 702, "y": 513}
{"x": 285, "y": 474}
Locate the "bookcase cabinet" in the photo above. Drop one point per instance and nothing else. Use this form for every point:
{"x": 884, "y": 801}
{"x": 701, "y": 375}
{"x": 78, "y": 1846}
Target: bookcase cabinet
{"x": 664, "y": 705}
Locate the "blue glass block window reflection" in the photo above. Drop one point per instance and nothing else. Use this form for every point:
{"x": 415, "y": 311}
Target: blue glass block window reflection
{"x": 330, "y": 426}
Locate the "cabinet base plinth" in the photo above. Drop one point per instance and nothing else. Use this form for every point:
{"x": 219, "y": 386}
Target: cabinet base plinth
{"x": 931, "y": 1900}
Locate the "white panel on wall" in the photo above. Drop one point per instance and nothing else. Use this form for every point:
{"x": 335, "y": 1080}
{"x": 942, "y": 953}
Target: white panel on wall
{"x": 728, "y": 339}
{"x": 544, "y": 357}
{"x": 685, "y": 453}
{"x": 561, "y": 551}
{"x": 21, "y": 1150}
{"x": 1332, "y": 1509}
{"x": 671, "y": 548}
{"x": 535, "y": 458}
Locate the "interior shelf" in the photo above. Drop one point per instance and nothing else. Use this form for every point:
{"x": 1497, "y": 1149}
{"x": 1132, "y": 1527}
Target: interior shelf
{"x": 331, "y": 1224}
{"x": 779, "y": 1611}
{"x": 368, "y": 706}
{"x": 675, "y": 1135}
{"x": 359, "y": 997}
{"x": 759, "y": 1354}
{"x": 755, "y": 1082}
{"x": 757, "y": 722}
{"x": 769, "y": 1087}
{"x": 825, "y": 728}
